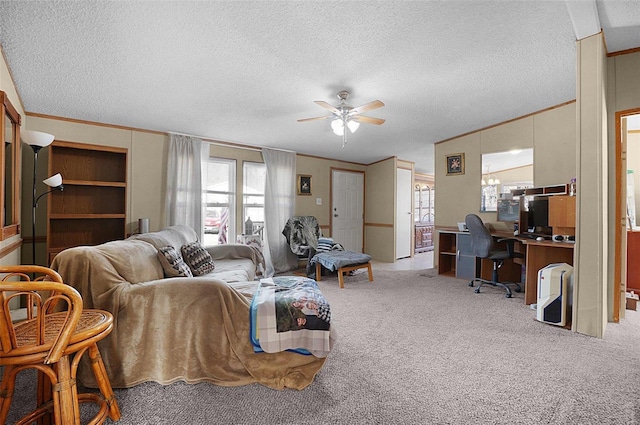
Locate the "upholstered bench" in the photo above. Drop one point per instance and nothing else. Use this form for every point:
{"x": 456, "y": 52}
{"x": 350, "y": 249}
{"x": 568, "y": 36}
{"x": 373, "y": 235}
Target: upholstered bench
{"x": 342, "y": 262}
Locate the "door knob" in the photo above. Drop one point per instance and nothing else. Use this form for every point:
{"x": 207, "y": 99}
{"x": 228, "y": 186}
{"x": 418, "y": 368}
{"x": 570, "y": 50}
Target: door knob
{"x": 335, "y": 215}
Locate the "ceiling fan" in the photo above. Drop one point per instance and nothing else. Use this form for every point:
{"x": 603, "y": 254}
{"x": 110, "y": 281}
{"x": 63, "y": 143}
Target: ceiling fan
{"x": 345, "y": 115}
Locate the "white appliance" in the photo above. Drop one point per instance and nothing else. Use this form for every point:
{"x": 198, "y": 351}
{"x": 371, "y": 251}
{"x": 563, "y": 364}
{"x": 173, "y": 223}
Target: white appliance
{"x": 555, "y": 294}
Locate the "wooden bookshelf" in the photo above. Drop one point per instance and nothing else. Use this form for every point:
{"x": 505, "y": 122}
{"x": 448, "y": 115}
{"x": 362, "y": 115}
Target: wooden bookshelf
{"x": 92, "y": 208}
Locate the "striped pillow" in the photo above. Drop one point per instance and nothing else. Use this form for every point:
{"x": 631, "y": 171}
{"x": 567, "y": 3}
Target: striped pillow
{"x": 197, "y": 258}
{"x": 172, "y": 263}
{"x": 324, "y": 244}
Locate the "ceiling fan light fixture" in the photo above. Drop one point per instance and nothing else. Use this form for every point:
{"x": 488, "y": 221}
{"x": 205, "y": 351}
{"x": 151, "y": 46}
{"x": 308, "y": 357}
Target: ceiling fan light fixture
{"x": 337, "y": 126}
{"x": 345, "y": 115}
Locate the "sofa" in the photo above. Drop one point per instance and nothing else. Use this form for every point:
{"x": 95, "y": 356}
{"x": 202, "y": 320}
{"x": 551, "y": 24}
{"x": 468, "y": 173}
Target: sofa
{"x": 169, "y": 329}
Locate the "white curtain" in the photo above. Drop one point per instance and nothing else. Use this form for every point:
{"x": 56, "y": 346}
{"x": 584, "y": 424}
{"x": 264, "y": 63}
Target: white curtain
{"x": 184, "y": 182}
{"x": 279, "y": 205}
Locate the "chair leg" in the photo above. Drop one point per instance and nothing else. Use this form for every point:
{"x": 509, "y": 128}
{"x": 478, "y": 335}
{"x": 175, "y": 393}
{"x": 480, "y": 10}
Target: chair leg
{"x": 66, "y": 392}
{"x": 508, "y": 294}
{"x": 43, "y": 396}
{"x": 481, "y": 282}
{"x": 103, "y": 382}
{"x": 6, "y": 392}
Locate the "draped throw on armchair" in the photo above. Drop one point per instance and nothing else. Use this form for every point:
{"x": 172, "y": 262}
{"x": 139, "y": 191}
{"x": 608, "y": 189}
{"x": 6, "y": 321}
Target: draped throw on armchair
{"x": 184, "y": 182}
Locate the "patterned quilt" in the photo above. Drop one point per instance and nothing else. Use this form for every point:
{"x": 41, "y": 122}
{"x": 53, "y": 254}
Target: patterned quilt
{"x": 290, "y": 313}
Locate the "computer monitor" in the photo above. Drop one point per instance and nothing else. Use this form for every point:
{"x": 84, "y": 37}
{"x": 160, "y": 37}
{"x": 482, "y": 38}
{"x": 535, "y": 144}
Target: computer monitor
{"x": 536, "y": 217}
{"x": 509, "y": 210}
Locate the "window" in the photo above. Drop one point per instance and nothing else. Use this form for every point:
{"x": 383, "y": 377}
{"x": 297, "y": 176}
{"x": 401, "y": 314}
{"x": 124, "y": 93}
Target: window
{"x": 220, "y": 202}
{"x": 254, "y": 175}
{"x": 424, "y": 203}
{"x": 489, "y": 200}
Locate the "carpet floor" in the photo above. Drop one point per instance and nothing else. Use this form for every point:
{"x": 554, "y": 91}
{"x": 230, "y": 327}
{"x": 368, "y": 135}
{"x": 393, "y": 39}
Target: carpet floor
{"x": 417, "y": 348}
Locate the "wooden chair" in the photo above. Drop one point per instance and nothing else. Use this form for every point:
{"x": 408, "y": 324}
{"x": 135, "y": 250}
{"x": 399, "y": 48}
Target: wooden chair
{"x": 52, "y": 339}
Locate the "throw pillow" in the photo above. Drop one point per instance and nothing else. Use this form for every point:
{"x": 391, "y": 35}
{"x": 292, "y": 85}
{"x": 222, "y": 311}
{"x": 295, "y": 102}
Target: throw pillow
{"x": 197, "y": 258}
{"x": 324, "y": 244}
{"x": 172, "y": 263}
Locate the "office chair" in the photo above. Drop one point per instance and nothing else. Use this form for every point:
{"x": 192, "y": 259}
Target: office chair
{"x": 484, "y": 246}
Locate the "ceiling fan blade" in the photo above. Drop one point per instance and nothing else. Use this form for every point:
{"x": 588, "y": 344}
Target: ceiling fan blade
{"x": 368, "y": 120}
{"x": 366, "y": 107}
{"x": 328, "y": 106}
{"x": 313, "y": 119}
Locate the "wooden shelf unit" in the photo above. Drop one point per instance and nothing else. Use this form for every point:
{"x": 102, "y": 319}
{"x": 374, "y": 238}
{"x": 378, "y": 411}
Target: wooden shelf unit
{"x": 92, "y": 208}
{"x": 455, "y": 255}
{"x": 447, "y": 253}
{"x": 562, "y": 214}
{"x": 557, "y": 189}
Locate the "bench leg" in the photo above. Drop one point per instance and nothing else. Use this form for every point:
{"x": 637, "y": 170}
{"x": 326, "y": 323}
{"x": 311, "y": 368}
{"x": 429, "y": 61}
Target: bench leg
{"x": 346, "y": 269}
{"x": 318, "y": 272}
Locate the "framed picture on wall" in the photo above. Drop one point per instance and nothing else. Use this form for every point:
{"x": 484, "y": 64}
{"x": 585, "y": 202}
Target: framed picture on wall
{"x": 455, "y": 164}
{"x": 304, "y": 184}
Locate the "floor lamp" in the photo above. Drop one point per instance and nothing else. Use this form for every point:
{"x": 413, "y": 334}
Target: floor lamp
{"x": 38, "y": 140}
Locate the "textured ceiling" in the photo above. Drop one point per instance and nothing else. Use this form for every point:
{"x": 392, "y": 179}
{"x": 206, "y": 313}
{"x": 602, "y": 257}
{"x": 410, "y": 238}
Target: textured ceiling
{"x": 245, "y": 71}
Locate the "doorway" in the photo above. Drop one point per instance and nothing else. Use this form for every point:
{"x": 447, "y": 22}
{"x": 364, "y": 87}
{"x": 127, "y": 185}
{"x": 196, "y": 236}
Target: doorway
{"x": 627, "y": 190}
{"x": 347, "y": 209}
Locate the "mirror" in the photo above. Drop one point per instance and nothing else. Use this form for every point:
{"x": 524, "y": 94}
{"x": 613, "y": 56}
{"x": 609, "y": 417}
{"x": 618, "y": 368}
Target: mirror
{"x": 10, "y": 167}
{"x": 8, "y": 170}
{"x": 502, "y": 172}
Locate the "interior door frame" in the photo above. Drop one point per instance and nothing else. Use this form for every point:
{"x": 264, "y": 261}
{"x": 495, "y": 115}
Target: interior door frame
{"x": 411, "y": 234}
{"x": 620, "y": 215}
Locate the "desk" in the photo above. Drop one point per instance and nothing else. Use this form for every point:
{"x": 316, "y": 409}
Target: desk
{"x": 540, "y": 254}
{"x": 456, "y": 257}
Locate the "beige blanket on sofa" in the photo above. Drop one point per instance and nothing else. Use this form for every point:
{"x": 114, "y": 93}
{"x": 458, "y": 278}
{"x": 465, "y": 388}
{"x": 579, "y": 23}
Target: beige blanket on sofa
{"x": 171, "y": 329}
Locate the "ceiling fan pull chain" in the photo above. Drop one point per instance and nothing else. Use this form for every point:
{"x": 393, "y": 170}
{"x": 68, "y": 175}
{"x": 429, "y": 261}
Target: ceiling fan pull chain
{"x": 344, "y": 130}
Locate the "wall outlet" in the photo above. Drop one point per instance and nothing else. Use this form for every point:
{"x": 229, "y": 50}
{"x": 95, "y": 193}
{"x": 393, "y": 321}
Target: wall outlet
{"x": 318, "y": 201}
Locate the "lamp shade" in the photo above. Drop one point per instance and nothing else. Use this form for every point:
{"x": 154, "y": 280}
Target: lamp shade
{"x": 53, "y": 181}
{"x": 36, "y": 138}
{"x": 353, "y": 125}
{"x": 338, "y": 127}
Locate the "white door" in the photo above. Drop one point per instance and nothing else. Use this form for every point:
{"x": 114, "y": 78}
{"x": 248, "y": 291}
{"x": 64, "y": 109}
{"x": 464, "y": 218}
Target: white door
{"x": 404, "y": 218}
{"x": 347, "y": 209}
